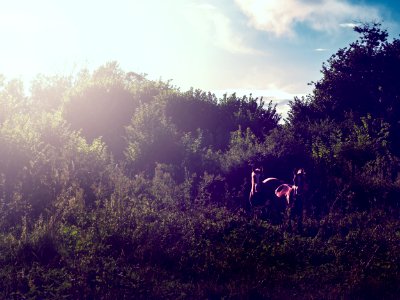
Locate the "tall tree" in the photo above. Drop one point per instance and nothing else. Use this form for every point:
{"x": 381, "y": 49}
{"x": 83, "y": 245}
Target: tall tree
{"x": 361, "y": 78}
{"x": 357, "y": 80}
{"x": 103, "y": 103}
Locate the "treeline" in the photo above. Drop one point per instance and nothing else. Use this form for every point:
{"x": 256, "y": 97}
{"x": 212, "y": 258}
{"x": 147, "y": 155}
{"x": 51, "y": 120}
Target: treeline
{"x": 116, "y": 186}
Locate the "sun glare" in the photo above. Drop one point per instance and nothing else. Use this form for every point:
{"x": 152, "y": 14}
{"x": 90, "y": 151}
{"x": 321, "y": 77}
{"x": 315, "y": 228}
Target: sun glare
{"x": 140, "y": 35}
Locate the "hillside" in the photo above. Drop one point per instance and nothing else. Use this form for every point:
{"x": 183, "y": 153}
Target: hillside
{"x": 114, "y": 186}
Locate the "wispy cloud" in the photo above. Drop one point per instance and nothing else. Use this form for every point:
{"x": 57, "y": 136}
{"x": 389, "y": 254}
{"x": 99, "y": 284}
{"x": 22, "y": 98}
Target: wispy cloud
{"x": 321, "y": 49}
{"x": 349, "y": 25}
{"x": 281, "y": 16}
{"x": 218, "y": 28}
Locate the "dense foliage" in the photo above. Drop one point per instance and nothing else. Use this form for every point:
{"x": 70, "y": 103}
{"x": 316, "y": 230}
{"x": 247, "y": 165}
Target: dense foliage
{"x": 114, "y": 186}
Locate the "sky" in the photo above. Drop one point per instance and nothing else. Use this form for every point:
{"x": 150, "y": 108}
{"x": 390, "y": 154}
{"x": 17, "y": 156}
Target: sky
{"x": 270, "y": 48}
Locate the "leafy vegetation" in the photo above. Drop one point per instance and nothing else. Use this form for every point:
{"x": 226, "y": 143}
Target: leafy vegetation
{"x": 113, "y": 186}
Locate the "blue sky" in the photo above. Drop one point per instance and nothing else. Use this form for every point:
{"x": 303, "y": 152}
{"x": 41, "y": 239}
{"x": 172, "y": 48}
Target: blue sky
{"x": 272, "y": 48}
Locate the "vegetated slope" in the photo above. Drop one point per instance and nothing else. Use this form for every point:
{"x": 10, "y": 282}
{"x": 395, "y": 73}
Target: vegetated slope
{"x": 115, "y": 186}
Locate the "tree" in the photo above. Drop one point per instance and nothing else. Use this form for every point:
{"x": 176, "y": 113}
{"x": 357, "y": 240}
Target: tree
{"x": 48, "y": 92}
{"x": 151, "y": 139}
{"x": 361, "y": 79}
{"x": 249, "y": 112}
{"x": 12, "y": 98}
{"x": 101, "y": 106}
{"x": 193, "y": 110}
{"x": 350, "y": 122}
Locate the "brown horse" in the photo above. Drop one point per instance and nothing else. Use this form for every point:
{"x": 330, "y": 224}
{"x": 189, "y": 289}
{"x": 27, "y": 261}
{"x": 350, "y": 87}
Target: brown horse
{"x": 294, "y": 195}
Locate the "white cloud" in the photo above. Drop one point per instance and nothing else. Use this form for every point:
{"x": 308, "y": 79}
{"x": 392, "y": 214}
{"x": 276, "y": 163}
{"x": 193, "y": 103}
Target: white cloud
{"x": 215, "y": 26}
{"x": 280, "y": 16}
{"x": 321, "y": 49}
{"x": 349, "y": 25}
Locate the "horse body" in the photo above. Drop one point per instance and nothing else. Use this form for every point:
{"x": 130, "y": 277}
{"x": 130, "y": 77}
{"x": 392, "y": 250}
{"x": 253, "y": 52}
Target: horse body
{"x": 270, "y": 189}
{"x": 263, "y": 196}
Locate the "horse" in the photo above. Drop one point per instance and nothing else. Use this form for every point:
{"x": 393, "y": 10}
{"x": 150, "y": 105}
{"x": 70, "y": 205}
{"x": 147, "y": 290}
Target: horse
{"x": 264, "y": 196}
{"x": 294, "y": 195}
